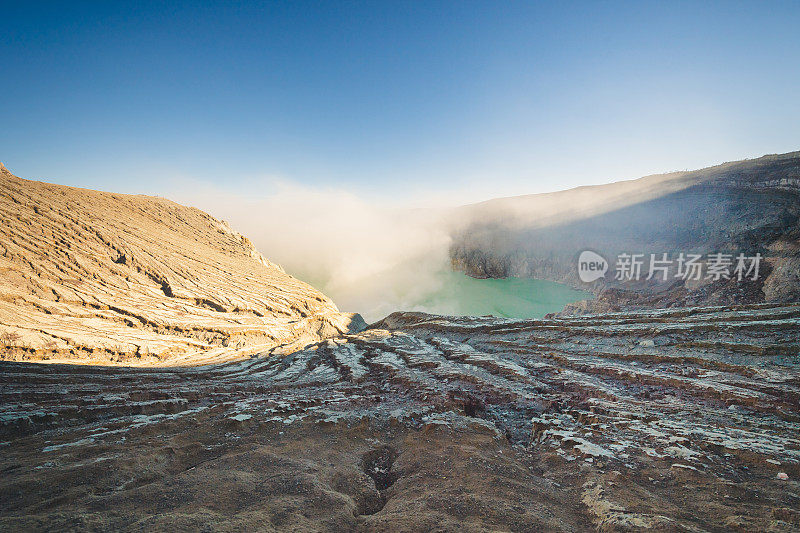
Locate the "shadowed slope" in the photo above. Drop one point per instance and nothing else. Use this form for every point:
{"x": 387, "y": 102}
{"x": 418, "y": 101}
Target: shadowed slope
{"x": 744, "y": 207}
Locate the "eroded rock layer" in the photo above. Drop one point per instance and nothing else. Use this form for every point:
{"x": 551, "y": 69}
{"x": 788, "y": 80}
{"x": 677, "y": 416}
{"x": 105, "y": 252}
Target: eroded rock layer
{"x": 682, "y": 420}
{"x": 109, "y": 278}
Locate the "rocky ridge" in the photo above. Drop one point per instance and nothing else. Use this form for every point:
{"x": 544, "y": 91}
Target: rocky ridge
{"x": 110, "y": 278}
{"x": 747, "y": 207}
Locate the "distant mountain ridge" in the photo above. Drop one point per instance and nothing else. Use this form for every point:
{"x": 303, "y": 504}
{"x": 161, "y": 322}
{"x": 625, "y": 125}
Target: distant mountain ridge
{"x": 750, "y": 206}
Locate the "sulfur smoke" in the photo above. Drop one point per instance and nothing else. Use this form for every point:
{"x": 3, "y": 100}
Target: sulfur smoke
{"x": 369, "y": 258}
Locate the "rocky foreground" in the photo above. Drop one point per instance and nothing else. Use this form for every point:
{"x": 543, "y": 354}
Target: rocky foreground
{"x": 682, "y": 420}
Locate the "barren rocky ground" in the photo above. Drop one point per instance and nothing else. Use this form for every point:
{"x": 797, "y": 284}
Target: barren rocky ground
{"x": 222, "y": 394}
{"x": 665, "y": 420}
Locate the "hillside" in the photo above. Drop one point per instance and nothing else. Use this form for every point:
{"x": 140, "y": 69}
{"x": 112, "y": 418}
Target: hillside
{"x": 748, "y": 207}
{"x": 105, "y": 278}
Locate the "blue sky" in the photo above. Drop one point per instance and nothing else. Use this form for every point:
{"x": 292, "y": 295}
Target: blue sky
{"x": 396, "y": 100}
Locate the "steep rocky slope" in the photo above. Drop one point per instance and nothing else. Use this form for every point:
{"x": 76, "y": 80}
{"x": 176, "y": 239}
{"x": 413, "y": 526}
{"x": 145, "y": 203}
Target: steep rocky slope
{"x": 665, "y": 420}
{"x": 109, "y": 278}
{"x": 744, "y": 207}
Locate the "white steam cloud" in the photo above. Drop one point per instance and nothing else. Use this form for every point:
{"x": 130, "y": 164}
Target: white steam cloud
{"x": 368, "y": 258}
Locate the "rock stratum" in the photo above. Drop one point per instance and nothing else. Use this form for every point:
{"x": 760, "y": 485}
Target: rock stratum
{"x": 677, "y": 420}
{"x": 107, "y": 278}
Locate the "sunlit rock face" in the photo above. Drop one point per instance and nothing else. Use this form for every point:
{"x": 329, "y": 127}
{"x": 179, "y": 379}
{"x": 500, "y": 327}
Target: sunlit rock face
{"x": 680, "y": 420}
{"x": 744, "y": 207}
{"x": 108, "y": 278}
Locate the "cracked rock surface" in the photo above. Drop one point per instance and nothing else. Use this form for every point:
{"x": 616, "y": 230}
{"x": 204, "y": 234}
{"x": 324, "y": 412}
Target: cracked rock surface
{"x": 677, "y": 420}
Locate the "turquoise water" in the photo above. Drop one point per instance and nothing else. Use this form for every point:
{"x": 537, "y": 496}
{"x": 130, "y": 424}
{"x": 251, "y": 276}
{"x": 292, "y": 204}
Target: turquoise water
{"x": 459, "y": 294}
{"x": 447, "y": 293}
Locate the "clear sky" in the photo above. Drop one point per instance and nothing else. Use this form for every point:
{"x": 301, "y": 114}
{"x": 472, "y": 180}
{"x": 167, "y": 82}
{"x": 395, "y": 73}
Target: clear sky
{"x": 465, "y": 100}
